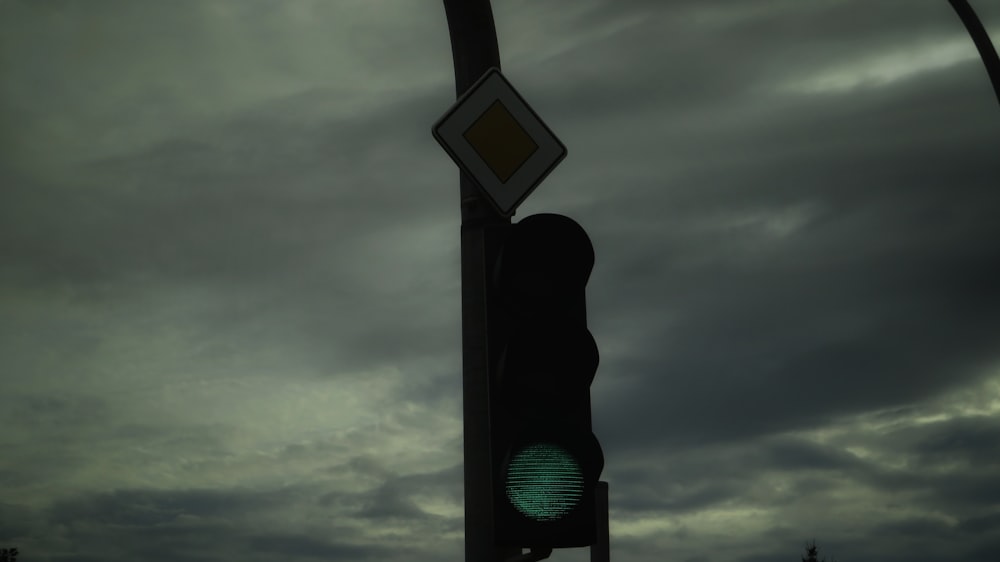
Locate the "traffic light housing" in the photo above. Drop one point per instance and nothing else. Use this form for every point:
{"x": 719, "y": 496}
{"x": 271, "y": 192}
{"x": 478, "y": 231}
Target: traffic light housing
{"x": 545, "y": 458}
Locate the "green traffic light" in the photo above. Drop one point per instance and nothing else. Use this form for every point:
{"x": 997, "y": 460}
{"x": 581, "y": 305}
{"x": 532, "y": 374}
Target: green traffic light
{"x": 544, "y": 482}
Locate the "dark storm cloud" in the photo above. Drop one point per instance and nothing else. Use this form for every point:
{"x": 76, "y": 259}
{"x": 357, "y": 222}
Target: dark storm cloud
{"x": 733, "y": 476}
{"x": 388, "y": 503}
{"x": 692, "y": 61}
{"x": 983, "y": 552}
{"x": 62, "y": 418}
{"x": 284, "y": 545}
{"x": 393, "y": 498}
{"x": 851, "y": 24}
{"x": 972, "y": 440}
{"x": 291, "y": 196}
{"x": 281, "y": 189}
{"x": 980, "y": 525}
{"x": 879, "y": 293}
{"x": 729, "y": 476}
{"x": 913, "y": 526}
{"x": 145, "y": 508}
{"x": 164, "y": 524}
{"x": 775, "y": 258}
{"x": 693, "y": 499}
{"x": 54, "y": 411}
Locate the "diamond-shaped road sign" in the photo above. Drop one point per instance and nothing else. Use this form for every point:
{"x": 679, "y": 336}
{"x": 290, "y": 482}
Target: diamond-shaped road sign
{"x": 499, "y": 141}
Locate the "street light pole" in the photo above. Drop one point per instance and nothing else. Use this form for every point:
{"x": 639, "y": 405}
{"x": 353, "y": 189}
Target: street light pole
{"x": 474, "y": 50}
{"x": 982, "y": 41}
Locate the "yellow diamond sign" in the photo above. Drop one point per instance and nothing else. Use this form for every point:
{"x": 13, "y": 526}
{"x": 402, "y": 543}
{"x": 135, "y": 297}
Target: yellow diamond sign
{"x": 499, "y": 141}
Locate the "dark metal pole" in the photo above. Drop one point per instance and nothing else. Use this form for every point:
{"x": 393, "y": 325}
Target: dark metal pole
{"x": 600, "y": 551}
{"x": 474, "y": 50}
{"x": 982, "y": 41}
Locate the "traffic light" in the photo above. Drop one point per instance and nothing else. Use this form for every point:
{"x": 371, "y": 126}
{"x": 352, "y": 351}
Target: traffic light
{"x": 545, "y": 460}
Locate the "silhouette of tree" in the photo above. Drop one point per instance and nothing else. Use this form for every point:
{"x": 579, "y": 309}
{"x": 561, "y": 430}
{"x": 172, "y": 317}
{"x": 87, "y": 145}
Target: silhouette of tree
{"x": 812, "y": 552}
{"x": 8, "y": 555}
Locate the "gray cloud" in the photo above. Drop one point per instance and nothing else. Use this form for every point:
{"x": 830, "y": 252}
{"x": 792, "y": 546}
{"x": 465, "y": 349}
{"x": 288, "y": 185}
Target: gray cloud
{"x": 229, "y": 313}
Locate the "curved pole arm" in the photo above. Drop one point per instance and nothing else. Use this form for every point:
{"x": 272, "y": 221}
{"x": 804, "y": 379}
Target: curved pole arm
{"x": 982, "y": 40}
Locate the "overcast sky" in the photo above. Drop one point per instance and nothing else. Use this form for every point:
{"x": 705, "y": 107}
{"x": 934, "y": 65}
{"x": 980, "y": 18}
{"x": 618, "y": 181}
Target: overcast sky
{"x": 230, "y": 299}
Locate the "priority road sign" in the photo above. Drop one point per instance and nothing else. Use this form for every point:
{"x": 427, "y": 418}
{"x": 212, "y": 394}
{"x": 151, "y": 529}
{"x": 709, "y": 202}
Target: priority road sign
{"x": 499, "y": 141}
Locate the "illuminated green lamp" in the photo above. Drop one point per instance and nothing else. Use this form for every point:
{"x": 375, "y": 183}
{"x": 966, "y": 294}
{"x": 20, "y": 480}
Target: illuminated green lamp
{"x": 544, "y": 482}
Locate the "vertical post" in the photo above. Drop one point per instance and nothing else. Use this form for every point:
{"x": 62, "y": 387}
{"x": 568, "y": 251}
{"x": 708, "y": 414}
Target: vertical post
{"x": 474, "y": 50}
{"x": 600, "y": 551}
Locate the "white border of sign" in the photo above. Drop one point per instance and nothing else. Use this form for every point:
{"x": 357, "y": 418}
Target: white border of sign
{"x": 448, "y": 131}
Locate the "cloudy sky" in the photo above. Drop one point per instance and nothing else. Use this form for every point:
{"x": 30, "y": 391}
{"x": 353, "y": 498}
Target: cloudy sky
{"x": 230, "y": 299}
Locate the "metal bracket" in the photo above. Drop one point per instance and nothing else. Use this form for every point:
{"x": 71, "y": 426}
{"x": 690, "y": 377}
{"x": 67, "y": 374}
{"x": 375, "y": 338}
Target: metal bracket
{"x": 534, "y": 555}
{"x": 600, "y": 551}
